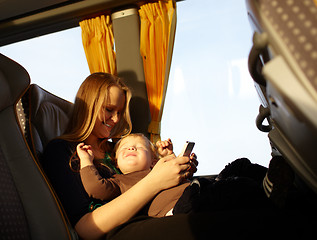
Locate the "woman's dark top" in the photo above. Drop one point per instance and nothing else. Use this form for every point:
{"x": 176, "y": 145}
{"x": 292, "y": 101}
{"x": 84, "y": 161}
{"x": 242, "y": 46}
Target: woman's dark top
{"x": 65, "y": 181}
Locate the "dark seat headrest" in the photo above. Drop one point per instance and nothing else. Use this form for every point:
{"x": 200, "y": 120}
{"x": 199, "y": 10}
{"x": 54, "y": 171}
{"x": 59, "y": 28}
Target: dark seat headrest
{"x": 48, "y": 116}
{"x": 14, "y": 80}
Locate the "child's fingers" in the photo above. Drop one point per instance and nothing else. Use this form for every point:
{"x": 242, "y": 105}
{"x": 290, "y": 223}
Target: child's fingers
{"x": 83, "y": 147}
{"x": 80, "y": 145}
{"x": 86, "y": 147}
{"x": 158, "y": 144}
{"x": 89, "y": 151}
{"x": 167, "y": 142}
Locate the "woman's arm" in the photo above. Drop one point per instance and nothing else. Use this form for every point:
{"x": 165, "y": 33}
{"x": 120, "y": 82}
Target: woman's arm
{"x": 166, "y": 173}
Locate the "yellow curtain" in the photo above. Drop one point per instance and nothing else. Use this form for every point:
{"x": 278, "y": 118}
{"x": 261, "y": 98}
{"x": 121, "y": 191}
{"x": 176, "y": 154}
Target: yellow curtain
{"x": 158, "y": 22}
{"x": 98, "y": 42}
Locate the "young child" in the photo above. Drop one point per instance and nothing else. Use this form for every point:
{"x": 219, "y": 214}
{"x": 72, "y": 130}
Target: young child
{"x": 135, "y": 156}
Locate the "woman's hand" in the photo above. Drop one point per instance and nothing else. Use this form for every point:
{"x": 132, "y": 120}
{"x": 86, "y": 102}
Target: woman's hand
{"x": 193, "y": 165}
{"x": 169, "y": 172}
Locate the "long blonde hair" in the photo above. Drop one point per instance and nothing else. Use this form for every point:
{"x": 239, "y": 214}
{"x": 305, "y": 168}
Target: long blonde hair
{"x": 91, "y": 96}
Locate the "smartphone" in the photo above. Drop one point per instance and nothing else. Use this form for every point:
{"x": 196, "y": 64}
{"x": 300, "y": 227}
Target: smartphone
{"x": 187, "y": 149}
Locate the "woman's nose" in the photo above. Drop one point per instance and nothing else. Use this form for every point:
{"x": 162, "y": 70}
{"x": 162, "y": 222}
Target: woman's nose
{"x": 115, "y": 118}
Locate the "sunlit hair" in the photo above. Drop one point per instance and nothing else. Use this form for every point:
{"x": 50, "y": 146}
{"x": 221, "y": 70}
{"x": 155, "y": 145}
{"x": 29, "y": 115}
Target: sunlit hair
{"x": 154, "y": 153}
{"x": 90, "y": 99}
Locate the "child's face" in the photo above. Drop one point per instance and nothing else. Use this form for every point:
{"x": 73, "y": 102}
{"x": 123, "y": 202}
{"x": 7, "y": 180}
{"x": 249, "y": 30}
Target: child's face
{"x": 134, "y": 154}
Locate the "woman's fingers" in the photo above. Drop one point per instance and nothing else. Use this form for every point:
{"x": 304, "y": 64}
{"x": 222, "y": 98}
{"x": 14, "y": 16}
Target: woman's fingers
{"x": 186, "y": 175}
{"x": 191, "y": 166}
{"x": 193, "y": 162}
{"x": 193, "y": 158}
{"x": 167, "y": 158}
{"x": 173, "y": 170}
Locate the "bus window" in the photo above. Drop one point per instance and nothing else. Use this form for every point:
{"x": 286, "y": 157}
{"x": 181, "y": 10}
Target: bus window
{"x": 55, "y": 62}
{"x": 210, "y": 98}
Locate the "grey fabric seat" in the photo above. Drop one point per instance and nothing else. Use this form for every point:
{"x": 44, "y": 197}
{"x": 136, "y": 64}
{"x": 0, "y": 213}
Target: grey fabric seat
{"x": 283, "y": 63}
{"x": 29, "y": 208}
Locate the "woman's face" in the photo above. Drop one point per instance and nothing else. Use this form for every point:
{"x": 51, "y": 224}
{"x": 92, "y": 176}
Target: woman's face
{"x": 110, "y": 113}
{"x": 134, "y": 154}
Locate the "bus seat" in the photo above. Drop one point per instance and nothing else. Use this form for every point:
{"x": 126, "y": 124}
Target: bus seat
{"x": 48, "y": 117}
{"x": 21, "y": 115}
{"x": 28, "y": 206}
{"x": 283, "y": 63}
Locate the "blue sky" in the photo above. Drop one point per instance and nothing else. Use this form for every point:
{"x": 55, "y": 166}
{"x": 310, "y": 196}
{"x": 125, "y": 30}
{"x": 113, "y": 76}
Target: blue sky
{"x": 210, "y": 98}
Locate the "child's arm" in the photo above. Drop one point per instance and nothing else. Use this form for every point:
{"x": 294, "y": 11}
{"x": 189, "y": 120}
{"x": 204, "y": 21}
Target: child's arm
{"x": 95, "y": 185}
{"x": 85, "y": 154}
{"x": 165, "y": 148}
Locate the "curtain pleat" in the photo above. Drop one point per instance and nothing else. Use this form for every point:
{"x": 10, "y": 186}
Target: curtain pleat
{"x": 158, "y": 22}
{"x": 98, "y": 43}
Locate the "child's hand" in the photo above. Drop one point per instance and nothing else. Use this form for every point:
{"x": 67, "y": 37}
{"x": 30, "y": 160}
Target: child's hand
{"x": 164, "y": 148}
{"x": 85, "y": 155}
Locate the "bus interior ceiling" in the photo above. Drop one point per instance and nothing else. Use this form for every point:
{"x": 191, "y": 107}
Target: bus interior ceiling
{"x": 21, "y": 20}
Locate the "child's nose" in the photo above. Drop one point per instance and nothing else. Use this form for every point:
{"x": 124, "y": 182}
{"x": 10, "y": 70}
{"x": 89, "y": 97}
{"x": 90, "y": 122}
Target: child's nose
{"x": 132, "y": 148}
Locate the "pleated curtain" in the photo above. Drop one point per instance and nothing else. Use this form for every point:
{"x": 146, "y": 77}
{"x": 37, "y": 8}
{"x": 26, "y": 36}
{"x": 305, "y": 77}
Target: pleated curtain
{"x": 158, "y": 23}
{"x": 98, "y": 43}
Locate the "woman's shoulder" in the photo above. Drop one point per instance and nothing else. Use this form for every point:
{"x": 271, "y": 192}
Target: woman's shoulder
{"x": 59, "y": 143}
{"x": 57, "y": 153}
{"x": 58, "y": 147}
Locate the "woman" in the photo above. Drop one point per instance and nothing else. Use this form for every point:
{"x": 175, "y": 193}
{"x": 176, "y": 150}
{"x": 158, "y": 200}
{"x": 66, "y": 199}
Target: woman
{"x": 101, "y": 112}
{"x": 135, "y": 156}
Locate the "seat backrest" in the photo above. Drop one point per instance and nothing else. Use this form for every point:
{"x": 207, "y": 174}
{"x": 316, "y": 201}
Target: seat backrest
{"x": 289, "y": 78}
{"x": 28, "y": 206}
{"x": 47, "y": 115}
